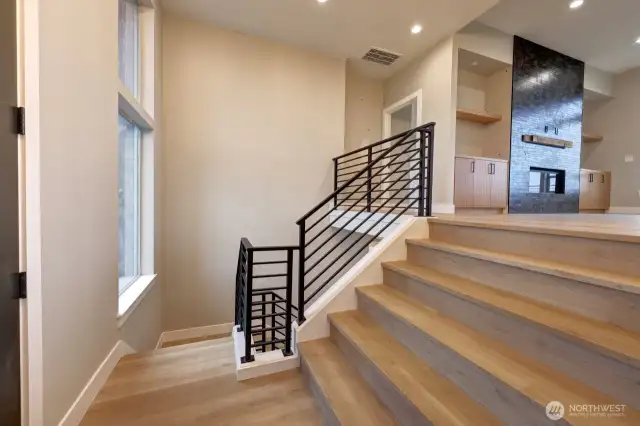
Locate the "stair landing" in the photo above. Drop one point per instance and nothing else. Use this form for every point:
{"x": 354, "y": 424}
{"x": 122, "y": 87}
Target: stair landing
{"x": 196, "y": 384}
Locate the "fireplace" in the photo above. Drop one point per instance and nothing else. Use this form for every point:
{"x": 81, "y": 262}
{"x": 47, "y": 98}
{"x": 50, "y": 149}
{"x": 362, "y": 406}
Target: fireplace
{"x": 546, "y": 181}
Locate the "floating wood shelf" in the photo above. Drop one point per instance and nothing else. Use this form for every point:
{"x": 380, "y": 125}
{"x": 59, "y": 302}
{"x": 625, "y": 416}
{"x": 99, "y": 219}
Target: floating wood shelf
{"x": 481, "y": 117}
{"x": 542, "y": 140}
{"x": 586, "y": 137}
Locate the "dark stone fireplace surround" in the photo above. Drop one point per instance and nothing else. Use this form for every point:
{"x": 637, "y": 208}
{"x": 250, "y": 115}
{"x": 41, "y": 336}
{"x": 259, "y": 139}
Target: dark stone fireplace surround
{"x": 547, "y": 100}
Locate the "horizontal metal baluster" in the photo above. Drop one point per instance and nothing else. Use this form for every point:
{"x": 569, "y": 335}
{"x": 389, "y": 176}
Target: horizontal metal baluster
{"x": 315, "y": 293}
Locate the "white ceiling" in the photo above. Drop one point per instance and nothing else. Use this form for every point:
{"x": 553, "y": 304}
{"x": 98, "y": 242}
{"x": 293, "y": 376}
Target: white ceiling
{"x": 601, "y": 32}
{"x": 341, "y": 28}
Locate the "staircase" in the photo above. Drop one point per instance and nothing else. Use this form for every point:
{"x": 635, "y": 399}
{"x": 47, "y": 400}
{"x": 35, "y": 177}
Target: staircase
{"x": 486, "y": 324}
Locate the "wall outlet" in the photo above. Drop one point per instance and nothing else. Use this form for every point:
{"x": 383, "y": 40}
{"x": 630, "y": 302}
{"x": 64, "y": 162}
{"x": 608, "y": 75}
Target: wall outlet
{"x": 638, "y": 193}
{"x": 628, "y": 158}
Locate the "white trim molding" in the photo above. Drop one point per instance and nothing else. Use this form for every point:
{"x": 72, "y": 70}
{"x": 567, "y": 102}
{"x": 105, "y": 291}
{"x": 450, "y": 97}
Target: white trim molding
{"x": 194, "y": 333}
{"x": 265, "y": 363}
{"x": 413, "y": 99}
{"x": 133, "y": 296}
{"x": 81, "y": 405}
{"x": 624, "y": 210}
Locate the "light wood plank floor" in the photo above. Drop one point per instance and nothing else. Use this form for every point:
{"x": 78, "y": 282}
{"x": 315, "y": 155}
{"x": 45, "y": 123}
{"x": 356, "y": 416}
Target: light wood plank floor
{"x": 195, "y": 385}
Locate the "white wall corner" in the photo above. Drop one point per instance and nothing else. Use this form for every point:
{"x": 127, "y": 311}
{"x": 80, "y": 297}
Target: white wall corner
{"x": 368, "y": 271}
{"x": 443, "y": 208}
{"x": 81, "y": 405}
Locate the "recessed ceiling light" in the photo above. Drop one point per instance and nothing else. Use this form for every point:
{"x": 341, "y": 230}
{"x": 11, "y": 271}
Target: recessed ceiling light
{"x": 416, "y": 29}
{"x": 474, "y": 63}
{"x": 322, "y": 1}
{"x": 576, "y": 4}
{"x": 638, "y": 40}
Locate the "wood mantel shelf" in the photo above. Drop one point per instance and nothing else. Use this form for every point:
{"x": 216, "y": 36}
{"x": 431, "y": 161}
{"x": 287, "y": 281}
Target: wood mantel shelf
{"x": 481, "y": 117}
{"x": 542, "y": 140}
{"x": 591, "y": 137}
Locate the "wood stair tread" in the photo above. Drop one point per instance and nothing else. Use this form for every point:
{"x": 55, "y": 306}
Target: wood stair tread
{"x": 437, "y": 398}
{"x": 580, "y": 230}
{"x": 536, "y": 381}
{"x": 351, "y": 399}
{"x": 596, "y": 277}
{"x": 614, "y": 341}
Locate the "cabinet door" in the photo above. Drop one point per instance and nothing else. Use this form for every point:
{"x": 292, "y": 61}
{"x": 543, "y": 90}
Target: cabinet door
{"x": 463, "y": 184}
{"x": 590, "y": 186}
{"x": 499, "y": 185}
{"x": 482, "y": 184}
{"x": 585, "y": 186}
{"x": 603, "y": 185}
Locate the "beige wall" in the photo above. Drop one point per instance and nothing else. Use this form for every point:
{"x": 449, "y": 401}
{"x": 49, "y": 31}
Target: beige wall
{"x": 499, "y": 87}
{"x": 618, "y": 120}
{"x": 436, "y": 74}
{"x": 72, "y": 201}
{"x": 363, "y": 119}
{"x": 250, "y": 128}
{"x": 485, "y": 93}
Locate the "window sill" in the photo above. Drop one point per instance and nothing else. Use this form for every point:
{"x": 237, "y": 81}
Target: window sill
{"x": 132, "y": 297}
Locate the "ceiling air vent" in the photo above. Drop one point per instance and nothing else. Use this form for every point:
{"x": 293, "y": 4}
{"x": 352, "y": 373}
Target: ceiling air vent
{"x": 381, "y": 57}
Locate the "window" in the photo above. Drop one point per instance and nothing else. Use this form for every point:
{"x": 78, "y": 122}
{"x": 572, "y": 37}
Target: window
{"x": 128, "y": 203}
{"x": 136, "y": 153}
{"x": 129, "y": 45}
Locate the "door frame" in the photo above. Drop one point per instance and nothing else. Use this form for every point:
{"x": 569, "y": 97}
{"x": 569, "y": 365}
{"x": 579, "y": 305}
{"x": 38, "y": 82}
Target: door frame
{"x": 414, "y": 100}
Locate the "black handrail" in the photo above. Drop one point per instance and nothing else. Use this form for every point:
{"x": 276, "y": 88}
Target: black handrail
{"x": 382, "y": 142}
{"x": 408, "y": 153}
{"x": 263, "y": 321}
{"x": 399, "y": 168}
{"x": 404, "y": 136}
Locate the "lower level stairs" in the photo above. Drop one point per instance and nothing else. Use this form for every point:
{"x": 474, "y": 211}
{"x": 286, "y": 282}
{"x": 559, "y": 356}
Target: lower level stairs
{"x": 431, "y": 346}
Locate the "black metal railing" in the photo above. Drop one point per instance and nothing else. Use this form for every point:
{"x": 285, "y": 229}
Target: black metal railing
{"x": 264, "y": 289}
{"x": 373, "y": 187}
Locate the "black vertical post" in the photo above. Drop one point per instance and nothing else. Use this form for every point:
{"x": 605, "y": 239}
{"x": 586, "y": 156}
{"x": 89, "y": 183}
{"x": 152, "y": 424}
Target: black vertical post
{"x": 248, "y": 308}
{"x": 335, "y": 181}
{"x": 430, "y": 150}
{"x": 369, "y": 177}
{"x": 238, "y": 287}
{"x": 301, "y": 275}
{"x": 421, "y": 174}
{"x": 263, "y": 312}
{"x": 289, "y": 301}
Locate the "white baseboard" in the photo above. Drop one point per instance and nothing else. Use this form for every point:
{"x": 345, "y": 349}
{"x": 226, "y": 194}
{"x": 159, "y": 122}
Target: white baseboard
{"x": 624, "y": 210}
{"x": 193, "y": 333}
{"x": 80, "y": 407}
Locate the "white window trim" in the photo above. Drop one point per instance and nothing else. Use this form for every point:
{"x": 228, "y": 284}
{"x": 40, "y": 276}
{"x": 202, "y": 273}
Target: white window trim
{"x": 136, "y": 111}
{"x": 133, "y": 296}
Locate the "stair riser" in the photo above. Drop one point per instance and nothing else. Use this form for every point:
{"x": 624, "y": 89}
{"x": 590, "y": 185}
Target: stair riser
{"x": 403, "y": 410}
{"x": 323, "y": 404}
{"x": 604, "y": 304}
{"x": 506, "y": 403}
{"x": 578, "y": 360}
{"x": 611, "y": 256}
